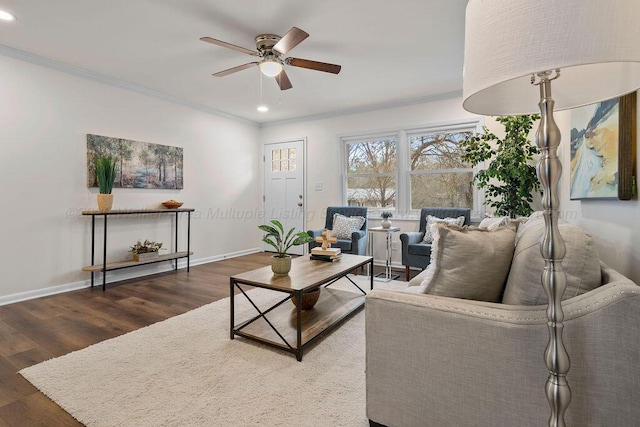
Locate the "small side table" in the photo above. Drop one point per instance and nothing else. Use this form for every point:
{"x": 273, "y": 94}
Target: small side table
{"x": 387, "y": 275}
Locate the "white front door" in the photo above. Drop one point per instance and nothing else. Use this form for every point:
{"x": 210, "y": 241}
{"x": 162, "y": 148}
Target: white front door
{"x": 284, "y": 187}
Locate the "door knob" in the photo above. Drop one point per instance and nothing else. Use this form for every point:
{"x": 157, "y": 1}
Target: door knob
{"x": 300, "y": 204}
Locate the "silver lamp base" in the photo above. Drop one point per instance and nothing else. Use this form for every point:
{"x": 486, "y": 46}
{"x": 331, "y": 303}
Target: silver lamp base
{"x": 553, "y": 251}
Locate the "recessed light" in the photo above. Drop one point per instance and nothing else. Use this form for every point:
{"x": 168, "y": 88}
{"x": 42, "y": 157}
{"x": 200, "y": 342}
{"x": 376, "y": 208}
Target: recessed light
{"x": 263, "y": 108}
{"x": 6, "y": 16}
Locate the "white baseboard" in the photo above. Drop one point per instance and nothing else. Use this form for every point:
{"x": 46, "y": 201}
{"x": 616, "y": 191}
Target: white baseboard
{"x": 116, "y": 276}
{"x": 37, "y": 293}
{"x": 220, "y": 257}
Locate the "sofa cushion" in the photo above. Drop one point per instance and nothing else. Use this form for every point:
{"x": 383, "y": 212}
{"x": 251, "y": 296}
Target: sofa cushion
{"x": 343, "y": 226}
{"x": 470, "y": 262}
{"x": 581, "y": 264}
{"x": 428, "y": 237}
{"x": 537, "y": 215}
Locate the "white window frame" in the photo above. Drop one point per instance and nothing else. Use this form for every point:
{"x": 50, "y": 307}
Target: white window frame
{"x": 403, "y": 170}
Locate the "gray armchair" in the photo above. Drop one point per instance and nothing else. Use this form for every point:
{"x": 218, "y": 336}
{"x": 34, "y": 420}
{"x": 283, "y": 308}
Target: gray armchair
{"x": 415, "y": 253}
{"x": 358, "y": 243}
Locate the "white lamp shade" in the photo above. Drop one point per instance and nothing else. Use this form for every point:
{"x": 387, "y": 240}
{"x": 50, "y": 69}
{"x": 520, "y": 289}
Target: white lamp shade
{"x": 595, "y": 44}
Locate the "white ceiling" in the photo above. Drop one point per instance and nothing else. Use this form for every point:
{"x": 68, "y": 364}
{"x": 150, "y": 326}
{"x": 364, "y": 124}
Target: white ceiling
{"x": 391, "y": 52}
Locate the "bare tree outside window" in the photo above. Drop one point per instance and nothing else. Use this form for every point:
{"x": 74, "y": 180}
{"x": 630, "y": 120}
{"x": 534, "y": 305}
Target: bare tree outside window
{"x": 427, "y": 161}
{"x": 439, "y": 177}
{"x": 371, "y": 173}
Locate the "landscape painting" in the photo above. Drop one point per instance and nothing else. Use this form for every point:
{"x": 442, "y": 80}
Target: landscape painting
{"x": 596, "y": 132}
{"x": 139, "y": 164}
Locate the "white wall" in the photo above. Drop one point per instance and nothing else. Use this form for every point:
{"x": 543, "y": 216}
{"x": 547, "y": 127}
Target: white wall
{"x": 44, "y": 118}
{"x": 613, "y": 224}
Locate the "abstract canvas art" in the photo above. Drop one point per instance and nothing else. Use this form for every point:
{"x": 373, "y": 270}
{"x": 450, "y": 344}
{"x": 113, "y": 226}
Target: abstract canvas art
{"x": 139, "y": 164}
{"x": 601, "y": 148}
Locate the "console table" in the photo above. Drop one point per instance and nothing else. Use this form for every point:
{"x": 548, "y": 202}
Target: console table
{"x": 109, "y": 266}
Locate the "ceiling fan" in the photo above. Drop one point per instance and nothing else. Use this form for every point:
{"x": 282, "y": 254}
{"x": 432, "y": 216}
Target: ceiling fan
{"x": 270, "y": 48}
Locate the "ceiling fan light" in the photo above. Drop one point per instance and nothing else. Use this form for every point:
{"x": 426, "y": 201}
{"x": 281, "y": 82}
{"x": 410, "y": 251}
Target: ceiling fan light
{"x": 6, "y": 16}
{"x": 270, "y": 68}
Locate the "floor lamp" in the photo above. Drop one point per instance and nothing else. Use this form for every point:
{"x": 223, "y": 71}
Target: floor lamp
{"x": 590, "y": 50}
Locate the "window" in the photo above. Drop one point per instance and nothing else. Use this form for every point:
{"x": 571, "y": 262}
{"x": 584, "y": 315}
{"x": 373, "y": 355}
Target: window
{"x": 408, "y": 169}
{"x": 438, "y": 176}
{"x": 283, "y": 160}
{"x": 371, "y": 172}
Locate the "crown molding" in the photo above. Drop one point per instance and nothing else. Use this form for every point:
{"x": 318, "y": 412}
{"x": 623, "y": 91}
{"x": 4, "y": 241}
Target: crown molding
{"x": 101, "y": 78}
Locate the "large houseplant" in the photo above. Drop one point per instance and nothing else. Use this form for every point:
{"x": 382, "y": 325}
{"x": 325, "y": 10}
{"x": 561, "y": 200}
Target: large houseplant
{"x": 282, "y": 242}
{"x": 105, "y": 176}
{"x": 509, "y": 179}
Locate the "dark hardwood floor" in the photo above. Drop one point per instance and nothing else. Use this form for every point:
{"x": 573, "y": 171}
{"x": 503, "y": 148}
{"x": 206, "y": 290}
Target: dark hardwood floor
{"x": 40, "y": 329}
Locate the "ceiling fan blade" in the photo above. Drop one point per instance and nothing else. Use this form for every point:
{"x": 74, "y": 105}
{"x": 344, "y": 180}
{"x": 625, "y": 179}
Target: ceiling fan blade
{"x": 235, "y": 69}
{"x": 290, "y": 40}
{"x": 229, "y": 46}
{"x": 283, "y": 81}
{"x": 314, "y": 65}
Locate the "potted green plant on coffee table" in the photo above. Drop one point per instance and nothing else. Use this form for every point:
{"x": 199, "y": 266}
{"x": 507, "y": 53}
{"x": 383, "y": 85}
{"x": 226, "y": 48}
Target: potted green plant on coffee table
{"x": 282, "y": 242}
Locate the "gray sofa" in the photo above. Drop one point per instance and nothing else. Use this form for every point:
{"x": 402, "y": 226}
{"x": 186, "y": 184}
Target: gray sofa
{"x": 415, "y": 253}
{"x": 441, "y": 361}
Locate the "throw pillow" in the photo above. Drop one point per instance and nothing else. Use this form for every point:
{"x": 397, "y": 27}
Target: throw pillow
{"x": 470, "y": 262}
{"x": 343, "y": 226}
{"x": 493, "y": 223}
{"x": 581, "y": 264}
{"x": 537, "y": 215}
{"x": 428, "y": 236}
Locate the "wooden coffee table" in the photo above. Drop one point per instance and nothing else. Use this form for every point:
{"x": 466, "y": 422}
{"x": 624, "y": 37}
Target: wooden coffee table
{"x": 288, "y": 327}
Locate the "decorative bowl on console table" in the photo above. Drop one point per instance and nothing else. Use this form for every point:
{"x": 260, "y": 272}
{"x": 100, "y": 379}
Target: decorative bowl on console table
{"x": 172, "y": 204}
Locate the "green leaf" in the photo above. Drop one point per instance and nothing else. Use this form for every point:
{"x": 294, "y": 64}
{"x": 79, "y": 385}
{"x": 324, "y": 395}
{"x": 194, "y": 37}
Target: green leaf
{"x": 105, "y": 167}
{"x": 508, "y": 178}
{"x": 282, "y": 242}
{"x": 268, "y": 229}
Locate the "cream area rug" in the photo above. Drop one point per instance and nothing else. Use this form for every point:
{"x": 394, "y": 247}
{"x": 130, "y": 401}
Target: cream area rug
{"x": 185, "y": 371}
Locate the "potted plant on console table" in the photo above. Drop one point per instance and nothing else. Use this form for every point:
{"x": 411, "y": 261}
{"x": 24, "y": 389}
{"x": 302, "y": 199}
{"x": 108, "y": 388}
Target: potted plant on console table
{"x": 145, "y": 251}
{"x": 282, "y": 242}
{"x": 105, "y": 176}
